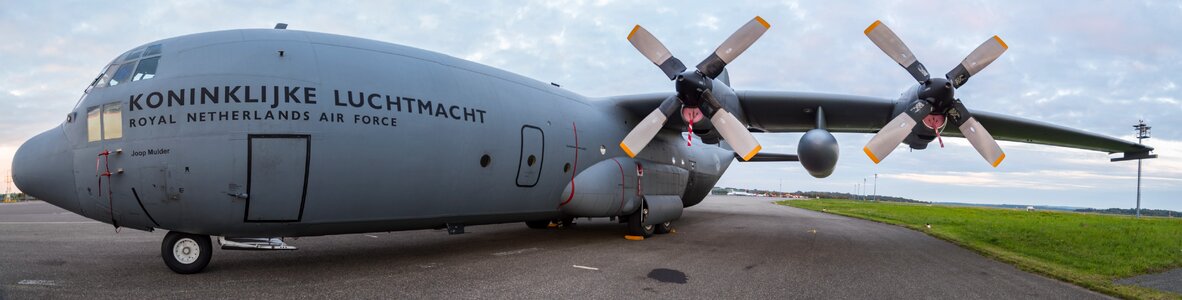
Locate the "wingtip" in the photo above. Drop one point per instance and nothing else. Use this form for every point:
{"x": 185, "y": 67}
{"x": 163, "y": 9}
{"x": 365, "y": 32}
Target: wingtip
{"x": 872, "y": 26}
{"x": 634, "y": 29}
{"x": 871, "y": 154}
{"x": 999, "y": 159}
{"x": 626, "y": 150}
{"x": 763, "y": 22}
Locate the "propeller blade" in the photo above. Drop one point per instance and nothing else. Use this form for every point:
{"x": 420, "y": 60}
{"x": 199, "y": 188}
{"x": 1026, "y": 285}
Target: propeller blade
{"x": 977, "y": 135}
{"x": 733, "y": 131}
{"x": 735, "y": 134}
{"x": 733, "y": 46}
{"x": 985, "y": 54}
{"x": 644, "y": 132}
{"x": 889, "y": 137}
{"x": 889, "y": 43}
{"x": 651, "y": 48}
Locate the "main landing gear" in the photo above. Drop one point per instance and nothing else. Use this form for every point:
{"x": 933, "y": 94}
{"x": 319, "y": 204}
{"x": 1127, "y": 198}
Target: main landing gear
{"x": 636, "y": 225}
{"x": 186, "y": 253}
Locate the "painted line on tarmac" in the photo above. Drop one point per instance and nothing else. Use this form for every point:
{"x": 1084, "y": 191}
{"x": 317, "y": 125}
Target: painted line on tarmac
{"x": 37, "y": 282}
{"x": 586, "y": 268}
{"x": 526, "y": 250}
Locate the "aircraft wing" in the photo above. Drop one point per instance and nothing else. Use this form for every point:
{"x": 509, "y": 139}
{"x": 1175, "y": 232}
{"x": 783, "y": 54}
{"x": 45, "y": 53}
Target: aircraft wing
{"x": 779, "y": 111}
{"x": 794, "y": 112}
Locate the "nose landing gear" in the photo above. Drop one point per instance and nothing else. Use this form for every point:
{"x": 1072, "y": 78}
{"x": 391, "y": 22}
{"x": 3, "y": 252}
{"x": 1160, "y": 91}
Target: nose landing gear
{"x": 186, "y": 253}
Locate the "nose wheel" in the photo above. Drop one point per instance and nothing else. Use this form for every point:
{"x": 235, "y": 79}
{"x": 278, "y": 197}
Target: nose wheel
{"x": 186, "y": 253}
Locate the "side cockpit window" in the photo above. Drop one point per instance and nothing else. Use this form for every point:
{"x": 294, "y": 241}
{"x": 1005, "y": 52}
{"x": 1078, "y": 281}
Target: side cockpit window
{"x": 135, "y": 65}
{"x": 104, "y": 122}
{"x": 94, "y": 124}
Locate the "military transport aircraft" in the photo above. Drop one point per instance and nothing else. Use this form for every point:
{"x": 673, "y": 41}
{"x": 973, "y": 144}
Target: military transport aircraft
{"x": 258, "y": 134}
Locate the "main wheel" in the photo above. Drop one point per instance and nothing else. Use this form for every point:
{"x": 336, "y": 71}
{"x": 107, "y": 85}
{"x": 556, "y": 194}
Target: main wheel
{"x": 664, "y": 228}
{"x": 186, "y": 253}
{"x": 636, "y": 223}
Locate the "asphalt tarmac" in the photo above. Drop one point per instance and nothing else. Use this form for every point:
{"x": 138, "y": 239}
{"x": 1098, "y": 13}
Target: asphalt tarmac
{"x": 726, "y": 247}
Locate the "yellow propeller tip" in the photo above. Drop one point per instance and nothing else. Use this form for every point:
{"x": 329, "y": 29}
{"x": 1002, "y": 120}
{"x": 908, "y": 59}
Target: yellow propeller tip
{"x": 1003, "y": 43}
{"x": 872, "y": 26}
{"x": 763, "y": 22}
{"x": 752, "y": 153}
{"x": 626, "y": 150}
{"x": 634, "y": 29}
{"x": 999, "y": 159}
{"x": 871, "y": 154}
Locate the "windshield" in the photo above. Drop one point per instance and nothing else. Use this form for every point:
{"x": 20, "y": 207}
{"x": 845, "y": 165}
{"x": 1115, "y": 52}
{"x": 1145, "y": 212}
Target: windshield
{"x": 135, "y": 65}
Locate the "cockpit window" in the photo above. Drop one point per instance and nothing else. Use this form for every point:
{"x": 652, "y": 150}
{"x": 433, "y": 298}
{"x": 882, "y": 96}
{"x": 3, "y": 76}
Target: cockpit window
{"x": 152, "y": 50}
{"x": 135, "y": 65}
{"x": 146, "y": 69}
{"x": 132, "y": 55}
{"x": 101, "y": 79}
{"x": 122, "y": 74}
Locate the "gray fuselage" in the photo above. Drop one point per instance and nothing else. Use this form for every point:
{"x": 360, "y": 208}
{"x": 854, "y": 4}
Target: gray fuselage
{"x": 292, "y": 133}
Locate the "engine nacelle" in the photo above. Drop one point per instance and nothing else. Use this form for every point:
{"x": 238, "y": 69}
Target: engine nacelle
{"x": 607, "y": 188}
{"x": 818, "y": 152}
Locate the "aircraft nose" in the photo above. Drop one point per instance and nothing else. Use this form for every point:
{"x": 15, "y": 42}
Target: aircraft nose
{"x": 43, "y": 168}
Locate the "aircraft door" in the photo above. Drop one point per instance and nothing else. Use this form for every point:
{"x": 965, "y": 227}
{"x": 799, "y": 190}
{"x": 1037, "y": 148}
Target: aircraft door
{"x": 529, "y": 168}
{"x": 277, "y": 177}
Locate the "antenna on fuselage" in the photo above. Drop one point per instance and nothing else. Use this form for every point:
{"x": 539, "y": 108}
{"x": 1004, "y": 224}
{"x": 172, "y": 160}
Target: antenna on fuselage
{"x": 280, "y": 25}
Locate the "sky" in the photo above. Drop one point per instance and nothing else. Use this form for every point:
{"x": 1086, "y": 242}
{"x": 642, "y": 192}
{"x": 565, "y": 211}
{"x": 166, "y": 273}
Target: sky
{"x": 1098, "y": 66}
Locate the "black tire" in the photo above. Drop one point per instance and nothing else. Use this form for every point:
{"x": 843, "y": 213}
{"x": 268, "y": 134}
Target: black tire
{"x": 664, "y": 228}
{"x": 186, "y": 253}
{"x": 636, "y": 225}
{"x": 543, "y": 224}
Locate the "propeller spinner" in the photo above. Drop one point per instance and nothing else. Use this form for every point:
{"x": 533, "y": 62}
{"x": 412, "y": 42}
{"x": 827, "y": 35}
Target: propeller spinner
{"x": 936, "y": 101}
{"x": 694, "y": 89}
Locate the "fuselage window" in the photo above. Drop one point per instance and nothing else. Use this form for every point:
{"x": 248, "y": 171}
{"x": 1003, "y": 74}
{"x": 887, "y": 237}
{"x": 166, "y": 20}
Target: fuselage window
{"x": 146, "y": 69}
{"x": 104, "y": 122}
{"x": 123, "y": 73}
{"x": 94, "y": 125}
{"x": 112, "y": 121}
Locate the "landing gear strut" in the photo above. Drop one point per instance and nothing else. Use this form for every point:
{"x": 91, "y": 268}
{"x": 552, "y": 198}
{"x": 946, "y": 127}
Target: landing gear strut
{"x": 636, "y": 223}
{"x": 186, "y": 253}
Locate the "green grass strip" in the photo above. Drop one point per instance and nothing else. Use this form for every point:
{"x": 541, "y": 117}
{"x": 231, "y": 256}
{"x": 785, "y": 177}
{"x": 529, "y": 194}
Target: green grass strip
{"x": 1089, "y": 250}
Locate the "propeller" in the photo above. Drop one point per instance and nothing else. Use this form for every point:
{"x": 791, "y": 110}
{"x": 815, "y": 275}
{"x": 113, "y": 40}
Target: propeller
{"x": 694, "y": 96}
{"x": 936, "y": 104}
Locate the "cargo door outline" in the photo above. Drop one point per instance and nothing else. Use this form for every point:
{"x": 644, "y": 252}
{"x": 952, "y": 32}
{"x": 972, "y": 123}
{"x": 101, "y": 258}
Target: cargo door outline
{"x": 252, "y": 187}
{"x": 533, "y": 142}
